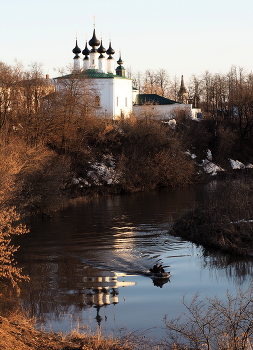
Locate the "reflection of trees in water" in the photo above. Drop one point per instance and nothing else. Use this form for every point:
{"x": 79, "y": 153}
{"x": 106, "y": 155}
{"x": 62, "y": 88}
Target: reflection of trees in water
{"x": 53, "y": 289}
{"x": 234, "y": 267}
{"x": 9, "y": 299}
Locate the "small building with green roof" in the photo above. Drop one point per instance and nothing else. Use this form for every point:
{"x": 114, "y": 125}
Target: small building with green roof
{"x": 155, "y": 106}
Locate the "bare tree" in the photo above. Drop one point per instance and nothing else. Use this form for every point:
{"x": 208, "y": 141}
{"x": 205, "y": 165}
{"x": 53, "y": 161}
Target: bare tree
{"x": 174, "y": 88}
{"x": 240, "y": 101}
{"x": 150, "y": 82}
{"x": 195, "y": 90}
{"x": 215, "y": 324}
{"x": 10, "y": 78}
{"x": 10, "y": 227}
{"x": 162, "y": 81}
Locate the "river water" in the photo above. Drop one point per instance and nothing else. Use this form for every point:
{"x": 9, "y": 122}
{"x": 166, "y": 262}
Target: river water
{"x": 87, "y": 265}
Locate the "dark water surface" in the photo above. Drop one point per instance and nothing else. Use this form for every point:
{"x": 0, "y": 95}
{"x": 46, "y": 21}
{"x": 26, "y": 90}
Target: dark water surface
{"x": 87, "y": 264}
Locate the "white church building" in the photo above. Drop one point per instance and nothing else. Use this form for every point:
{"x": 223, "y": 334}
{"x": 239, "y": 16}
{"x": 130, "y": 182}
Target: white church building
{"x": 114, "y": 93}
{"x": 110, "y": 93}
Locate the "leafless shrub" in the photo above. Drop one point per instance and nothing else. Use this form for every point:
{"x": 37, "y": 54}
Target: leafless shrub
{"x": 10, "y": 226}
{"x": 152, "y": 156}
{"x": 223, "y": 221}
{"x": 226, "y": 139}
{"x": 193, "y": 134}
{"x": 214, "y": 324}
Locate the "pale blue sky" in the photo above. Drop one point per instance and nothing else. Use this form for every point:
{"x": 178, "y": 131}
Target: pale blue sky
{"x": 182, "y": 36}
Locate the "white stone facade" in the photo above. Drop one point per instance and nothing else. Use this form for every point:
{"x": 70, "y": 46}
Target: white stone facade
{"x": 114, "y": 93}
{"x": 115, "y": 96}
{"x": 163, "y": 112}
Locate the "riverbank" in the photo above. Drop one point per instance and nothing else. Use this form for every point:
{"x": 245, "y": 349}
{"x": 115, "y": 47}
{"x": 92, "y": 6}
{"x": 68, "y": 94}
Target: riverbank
{"x": 224, "y": 221}
{"x": 198, "y": 227}
{"x": 18, "y": 333}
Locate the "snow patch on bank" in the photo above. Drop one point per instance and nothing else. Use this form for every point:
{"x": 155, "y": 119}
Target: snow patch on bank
{"x": 105, "y": 172}
{"x": 207, "y": 165}
{"x": 239, "y": 221}
{"x": 101, "y": 173}
{"x": 210, "y": 167}
{"x": 236, "y": 164}
{"x": 192, "y": 155}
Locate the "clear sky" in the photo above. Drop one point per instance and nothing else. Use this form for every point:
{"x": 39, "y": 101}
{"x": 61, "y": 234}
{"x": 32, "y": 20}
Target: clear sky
{"x": 182, "y": 36}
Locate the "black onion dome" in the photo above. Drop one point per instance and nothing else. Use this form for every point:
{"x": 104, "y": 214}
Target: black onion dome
{"x": 76, "y": 49}
{"x": 120, "y": 62}
{"x": 94, "y": 41}
{"x": 86, "y": 51}
{"x": 110, "y": 51}
{"x": 101, "y": 48}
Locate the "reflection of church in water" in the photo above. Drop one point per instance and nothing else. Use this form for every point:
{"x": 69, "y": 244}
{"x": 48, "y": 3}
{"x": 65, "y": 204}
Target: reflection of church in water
{"x": 101, "y": 288}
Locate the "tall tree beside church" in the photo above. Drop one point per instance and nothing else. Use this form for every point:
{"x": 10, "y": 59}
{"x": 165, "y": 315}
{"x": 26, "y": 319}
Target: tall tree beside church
{"x": 174, "y": 88}
{"x": 195, "y": 88}
{"x": 32, "y": 110}
{"x": 150, "y": 82}
{"x": 10, "y": 77}
{"x": 162, "y": 81}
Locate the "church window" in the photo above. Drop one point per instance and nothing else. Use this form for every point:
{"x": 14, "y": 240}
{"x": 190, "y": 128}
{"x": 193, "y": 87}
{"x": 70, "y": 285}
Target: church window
{"x": 125, "y": 101}
{"x": 117, "y": 101}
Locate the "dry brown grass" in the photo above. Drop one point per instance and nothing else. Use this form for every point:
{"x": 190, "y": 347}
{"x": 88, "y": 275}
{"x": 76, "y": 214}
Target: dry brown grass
{"x": 19, "y": 333}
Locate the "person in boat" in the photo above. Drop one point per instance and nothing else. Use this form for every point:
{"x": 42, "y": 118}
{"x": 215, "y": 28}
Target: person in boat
{"x": 161, "y": 269}
{"x": 157, "y": 269}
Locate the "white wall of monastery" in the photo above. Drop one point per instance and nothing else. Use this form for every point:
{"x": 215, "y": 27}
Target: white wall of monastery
{"x": 123, "y": 102}
{"x": 115, "y": 97}
{"x": 115, "y": 94}
{"x": 164, "y": 111}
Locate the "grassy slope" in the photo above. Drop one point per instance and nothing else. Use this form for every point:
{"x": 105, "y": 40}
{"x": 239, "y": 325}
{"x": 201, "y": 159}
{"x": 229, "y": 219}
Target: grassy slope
{"x": 17, "y": 333}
